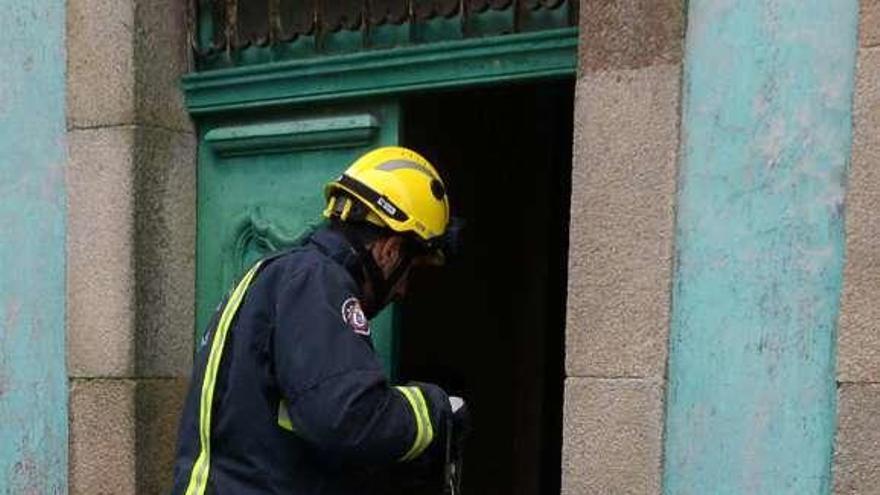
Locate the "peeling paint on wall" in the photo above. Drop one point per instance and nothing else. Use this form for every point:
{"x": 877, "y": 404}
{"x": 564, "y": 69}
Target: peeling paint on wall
{"x": 33, "y": 379}
{"x": 759, "y": 239}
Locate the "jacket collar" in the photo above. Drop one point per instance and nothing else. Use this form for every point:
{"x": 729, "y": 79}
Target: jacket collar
{"x": 335, "y": 246}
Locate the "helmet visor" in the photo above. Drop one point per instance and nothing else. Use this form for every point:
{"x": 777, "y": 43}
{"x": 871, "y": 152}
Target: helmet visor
{"x": 445, "y": 248}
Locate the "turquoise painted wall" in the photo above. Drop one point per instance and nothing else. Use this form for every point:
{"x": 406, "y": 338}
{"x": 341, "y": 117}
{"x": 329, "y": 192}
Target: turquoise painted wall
{"x": 33, "y": 379}
{"x": 765, "y": 146}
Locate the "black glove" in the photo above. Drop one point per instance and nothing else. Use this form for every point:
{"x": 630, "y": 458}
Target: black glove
{"x": 425, "y": 474}
{"x": 460, "y": 426}
{"x": 440, "y": 411}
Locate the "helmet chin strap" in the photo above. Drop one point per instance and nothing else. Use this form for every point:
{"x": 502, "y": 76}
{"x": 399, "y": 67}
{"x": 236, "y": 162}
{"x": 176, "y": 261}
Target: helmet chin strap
{"x": 381, "y": 287}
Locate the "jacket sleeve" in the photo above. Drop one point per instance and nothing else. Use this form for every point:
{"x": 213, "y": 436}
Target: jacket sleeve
{"x": 339, "y": 399}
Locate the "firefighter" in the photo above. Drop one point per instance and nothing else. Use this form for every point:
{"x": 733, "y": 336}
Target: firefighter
{"x": 287, "y": 394}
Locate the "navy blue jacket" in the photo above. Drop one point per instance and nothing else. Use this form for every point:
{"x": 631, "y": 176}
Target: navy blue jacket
{"x": 299, "y": 402}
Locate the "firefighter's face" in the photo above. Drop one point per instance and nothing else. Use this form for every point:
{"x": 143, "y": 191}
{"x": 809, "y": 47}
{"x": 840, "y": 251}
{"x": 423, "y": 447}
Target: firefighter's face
{"x": 388, "y": 255}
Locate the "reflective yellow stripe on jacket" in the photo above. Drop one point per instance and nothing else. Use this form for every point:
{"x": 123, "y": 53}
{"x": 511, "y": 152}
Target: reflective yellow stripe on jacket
{"x": 198, "y": 478}
{"x": 424, "y": 430}
{"x": 284, "y": 416}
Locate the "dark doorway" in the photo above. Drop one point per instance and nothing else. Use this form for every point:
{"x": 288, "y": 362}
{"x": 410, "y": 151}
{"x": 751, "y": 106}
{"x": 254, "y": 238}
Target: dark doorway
{"x": 491, "y": 325}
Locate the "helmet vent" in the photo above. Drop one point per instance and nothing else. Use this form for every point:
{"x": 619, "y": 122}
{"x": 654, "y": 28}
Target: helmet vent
{"x": 437, "y": 189}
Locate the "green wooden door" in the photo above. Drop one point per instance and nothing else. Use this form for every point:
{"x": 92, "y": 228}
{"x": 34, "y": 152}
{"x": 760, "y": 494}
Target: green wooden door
{"x": 260, "y": 185}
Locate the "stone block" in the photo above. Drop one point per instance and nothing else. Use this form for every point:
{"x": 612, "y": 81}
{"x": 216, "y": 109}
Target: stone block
{"x": 100, "y": 63}
{"x": 866, "y": 105}
{"x": 869, "y": 30}
{"x": 161, "y": 58}
{"x": 131, "y": 252}
{"x": 857, "y": 450}
{"x": 165, "y": 224}
{"x": 123, "y": 434}
{"x": 159, "y": 403}
{"x": 629, "y": 34}
{"x": 100, "y": 252}
{"x": 612, "y": 436}
{"x": 102, "y": 437}
{"x": 622, "y": 221}
{"x": 125, "y": 60}
{"x": 859, "y": 338}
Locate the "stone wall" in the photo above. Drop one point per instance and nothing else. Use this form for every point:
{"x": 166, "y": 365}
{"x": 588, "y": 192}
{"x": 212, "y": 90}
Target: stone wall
{"x": 131, "y": 241}
{"x": 621, "y": 244}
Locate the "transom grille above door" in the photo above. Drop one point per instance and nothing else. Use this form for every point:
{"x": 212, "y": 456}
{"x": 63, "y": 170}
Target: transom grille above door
{"x": 240, "y": 32}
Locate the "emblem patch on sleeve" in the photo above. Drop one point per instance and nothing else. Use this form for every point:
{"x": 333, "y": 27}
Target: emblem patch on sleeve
{"x": 354, "y": 316}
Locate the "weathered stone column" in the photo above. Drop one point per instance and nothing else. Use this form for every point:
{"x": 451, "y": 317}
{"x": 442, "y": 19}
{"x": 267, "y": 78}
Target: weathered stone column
{"x": 131, "y": 241}
{"x": 623, "y": 193}
{"x": 857, "y": 459}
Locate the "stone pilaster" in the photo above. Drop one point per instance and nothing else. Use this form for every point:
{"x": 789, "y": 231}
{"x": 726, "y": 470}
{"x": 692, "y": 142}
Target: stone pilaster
{"x": 857, "y": 459}
{"x": 131, "y": 241}
{"x": 621, "y": 244}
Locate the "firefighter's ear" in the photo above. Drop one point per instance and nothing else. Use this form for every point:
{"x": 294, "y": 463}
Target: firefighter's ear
{"x": 387, "y": 251}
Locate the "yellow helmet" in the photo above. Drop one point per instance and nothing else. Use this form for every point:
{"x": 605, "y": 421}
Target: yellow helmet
{"x": 400, "y": 189}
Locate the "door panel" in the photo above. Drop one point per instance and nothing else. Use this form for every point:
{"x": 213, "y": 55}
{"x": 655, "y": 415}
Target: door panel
{"x": 261, "y": 186}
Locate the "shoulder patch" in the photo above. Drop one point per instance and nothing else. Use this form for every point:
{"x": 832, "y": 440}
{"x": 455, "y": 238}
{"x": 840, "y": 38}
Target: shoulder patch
{"x": 354, "y": 316}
